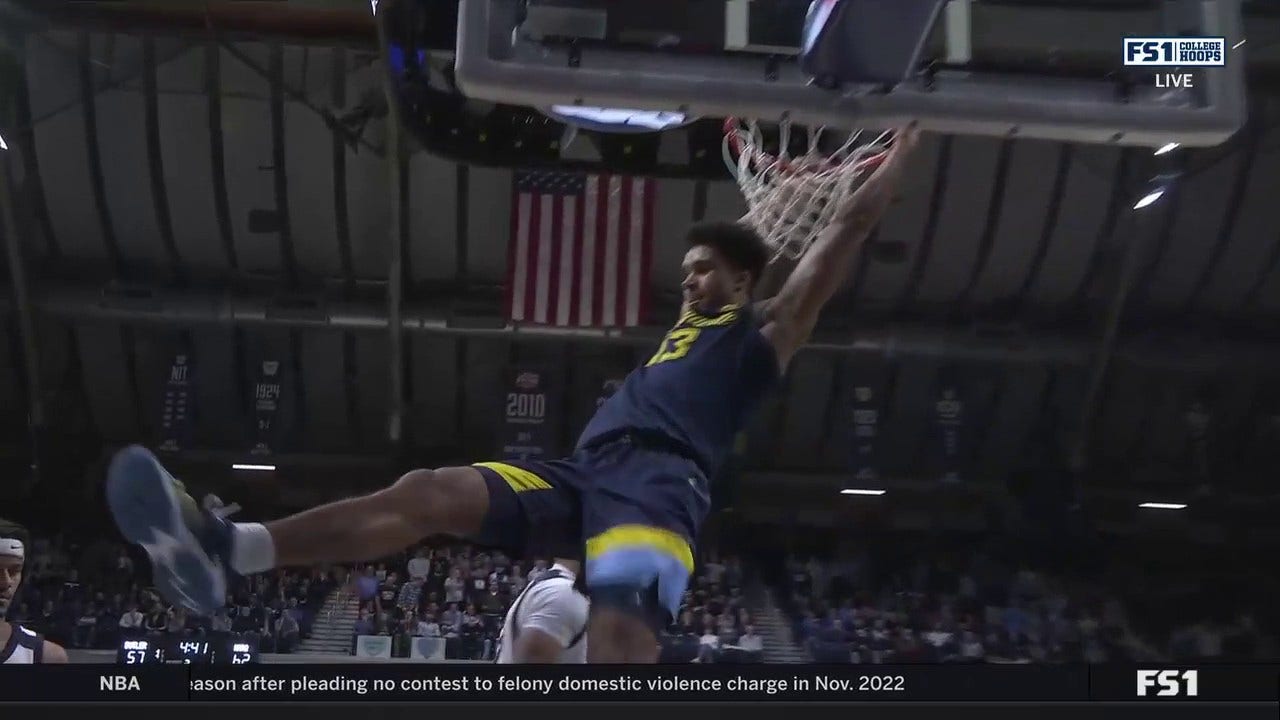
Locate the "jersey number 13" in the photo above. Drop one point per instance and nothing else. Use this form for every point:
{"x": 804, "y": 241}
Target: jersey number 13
{"x": 675, "y": 345}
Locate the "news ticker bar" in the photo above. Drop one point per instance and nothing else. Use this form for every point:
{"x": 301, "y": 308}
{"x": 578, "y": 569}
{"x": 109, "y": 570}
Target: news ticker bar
{"x": 401, "y": 682}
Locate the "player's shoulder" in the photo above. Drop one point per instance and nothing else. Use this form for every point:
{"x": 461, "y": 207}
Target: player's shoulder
{"x": 54, "y": 654}
{"x": 557, "y": 591}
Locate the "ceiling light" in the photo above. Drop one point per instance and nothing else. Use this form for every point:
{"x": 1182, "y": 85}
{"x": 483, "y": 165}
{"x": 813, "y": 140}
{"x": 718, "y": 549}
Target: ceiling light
{"x": 1149, "y": 199}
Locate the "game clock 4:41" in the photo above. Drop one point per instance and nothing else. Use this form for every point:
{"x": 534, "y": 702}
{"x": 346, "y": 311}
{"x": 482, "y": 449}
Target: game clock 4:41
{"x": 232, "y": 650}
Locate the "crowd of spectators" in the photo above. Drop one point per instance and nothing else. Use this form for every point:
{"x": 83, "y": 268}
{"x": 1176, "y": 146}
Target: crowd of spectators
{"x": 870, "y": 605}
{"x": 971, "y": 608}
{"x": 714, "y": 623}
{"x": 462, "y": 594}
{"x": 91, "y": 596}
{"x": 457, "y": 593}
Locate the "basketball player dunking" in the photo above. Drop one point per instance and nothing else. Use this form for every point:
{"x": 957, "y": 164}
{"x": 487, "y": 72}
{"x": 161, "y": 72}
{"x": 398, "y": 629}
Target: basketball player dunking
{"x": 18, "y": 645}
{"x": 630, "y": 499}
{"x": 547, "y": 622}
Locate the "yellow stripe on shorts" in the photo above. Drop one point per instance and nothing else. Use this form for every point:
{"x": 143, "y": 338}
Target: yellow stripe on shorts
{"x": 519, "y": 479}
{"x": 629, "y": 536}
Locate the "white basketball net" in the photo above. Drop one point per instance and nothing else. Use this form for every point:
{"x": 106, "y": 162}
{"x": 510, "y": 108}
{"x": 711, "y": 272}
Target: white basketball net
{"x": 790, "y": 200}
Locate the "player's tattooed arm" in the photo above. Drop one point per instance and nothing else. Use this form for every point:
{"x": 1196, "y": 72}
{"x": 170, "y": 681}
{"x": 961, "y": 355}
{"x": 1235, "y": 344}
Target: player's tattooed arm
{"x": 791, "y": 315}
{"x": 775, "y": 276}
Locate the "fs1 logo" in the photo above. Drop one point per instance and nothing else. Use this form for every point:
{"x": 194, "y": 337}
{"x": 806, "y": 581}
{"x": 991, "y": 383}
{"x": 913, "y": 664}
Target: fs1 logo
{"x": 1175, "y": 51}
{"x": 1171, "y": 683}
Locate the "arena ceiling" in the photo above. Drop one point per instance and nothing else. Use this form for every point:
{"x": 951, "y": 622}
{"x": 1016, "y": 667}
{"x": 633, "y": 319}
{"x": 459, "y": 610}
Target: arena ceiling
{"x": 177, "y": 185}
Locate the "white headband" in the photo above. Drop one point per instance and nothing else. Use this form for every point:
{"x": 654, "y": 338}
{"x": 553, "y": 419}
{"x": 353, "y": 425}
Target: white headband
{"x": 12, "y": 547}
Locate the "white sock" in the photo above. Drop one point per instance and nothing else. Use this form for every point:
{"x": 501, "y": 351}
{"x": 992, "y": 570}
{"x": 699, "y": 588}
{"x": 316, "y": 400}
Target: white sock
{"x": 252, "y": 549}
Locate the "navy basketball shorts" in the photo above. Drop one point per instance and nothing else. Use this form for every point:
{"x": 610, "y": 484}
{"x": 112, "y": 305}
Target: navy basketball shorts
{"x": 632, "y": 513}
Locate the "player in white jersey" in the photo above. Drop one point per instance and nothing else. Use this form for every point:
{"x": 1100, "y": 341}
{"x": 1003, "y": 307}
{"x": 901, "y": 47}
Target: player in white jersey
{"x": 547, "y": 622}
{"x": 18, "y": 645}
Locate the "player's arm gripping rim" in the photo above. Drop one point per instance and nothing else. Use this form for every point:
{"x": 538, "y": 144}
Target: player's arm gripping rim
{"x": 789, "y": 317}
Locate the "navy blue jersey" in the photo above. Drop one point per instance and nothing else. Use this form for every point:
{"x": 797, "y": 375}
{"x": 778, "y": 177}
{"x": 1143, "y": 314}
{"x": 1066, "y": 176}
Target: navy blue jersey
{"x": 706, "y": 378}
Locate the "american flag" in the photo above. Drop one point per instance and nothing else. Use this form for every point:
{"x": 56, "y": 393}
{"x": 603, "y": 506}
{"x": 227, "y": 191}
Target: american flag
{"x": 580, "y": 249}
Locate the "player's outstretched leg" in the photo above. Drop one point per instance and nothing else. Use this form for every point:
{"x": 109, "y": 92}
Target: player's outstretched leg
{"x": 192, "y": 549}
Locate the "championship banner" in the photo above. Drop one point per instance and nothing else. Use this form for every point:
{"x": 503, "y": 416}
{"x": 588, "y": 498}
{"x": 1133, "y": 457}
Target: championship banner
{"x": 1198, "y": 421}
{"x": 864, "y": 421}
{"x": 948, "y": 431}
{"x": 365, "y": 681}
{"x": 430, "y": 649}
{"x": 531, "y": 416}
{"x": 266, "y": 408}
{"x": 176, "y": 406}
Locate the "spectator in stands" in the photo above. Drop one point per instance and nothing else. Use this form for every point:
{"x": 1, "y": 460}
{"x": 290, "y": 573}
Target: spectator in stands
{"x": 86, "y": 626}
{"x": 410, "y": 596}
{"x": 48, "y": 616}
{"x": 516, "y": 582}
{"x": 367, "y": 585}
{"x": 492, "y": 603}
{"x": 387, "y": 591}
{"x": 726, "y": 631}
{"x": 157, "y": 619}
{"x": 287, "y": 632}
{"x": 751, "y": 644}
{"x": 685, "y": 628}
{"x": 132, "y": 621}
{"x": 177, "y": 623}
{"x": 971, "y": 649}
{"x": 419, "y": 567}
{"x": 383, "y": 622}
{"x": 220, "y": 622}
{"x": 709, "y": 643}
{"x": 364, "y": 624}
{"x": 472, "y": 633}
{"x": 439, "y": 573}
{"x": 479, "y": 579}
{"x": 428, "y": 625}
{"x": 451, "y": 621}
{"x": 454, "y": 587}
{"x": 938, "y": 637}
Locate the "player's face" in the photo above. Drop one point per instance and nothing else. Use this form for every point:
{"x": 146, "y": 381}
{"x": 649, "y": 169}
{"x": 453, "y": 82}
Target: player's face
{"x": 10, "y": 577}
{"x": 710, "y": 282}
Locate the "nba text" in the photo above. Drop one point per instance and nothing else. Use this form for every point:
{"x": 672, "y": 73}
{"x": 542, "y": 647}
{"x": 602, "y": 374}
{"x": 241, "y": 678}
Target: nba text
{"x": 118, "y": 683}
{"x": 1168, "y": 683}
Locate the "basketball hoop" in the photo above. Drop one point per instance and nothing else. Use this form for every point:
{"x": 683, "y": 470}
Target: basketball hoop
{"x": 790, "y": 200}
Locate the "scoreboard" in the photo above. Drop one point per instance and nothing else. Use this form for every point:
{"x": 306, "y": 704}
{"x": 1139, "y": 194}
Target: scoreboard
{"x": 155, "y": 649}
